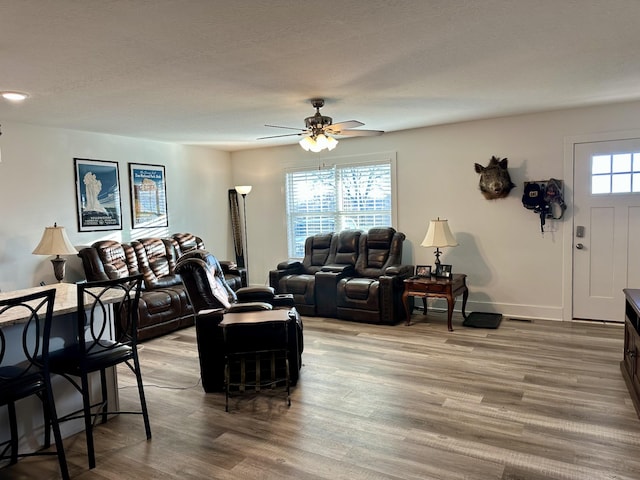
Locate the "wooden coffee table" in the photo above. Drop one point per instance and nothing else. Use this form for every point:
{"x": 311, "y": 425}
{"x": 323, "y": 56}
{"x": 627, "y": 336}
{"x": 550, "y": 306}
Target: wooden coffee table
{"x": 448, "y": 288}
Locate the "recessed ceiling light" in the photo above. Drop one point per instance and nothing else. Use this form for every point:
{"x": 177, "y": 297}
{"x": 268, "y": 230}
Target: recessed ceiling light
{"x": 14, "y": 96}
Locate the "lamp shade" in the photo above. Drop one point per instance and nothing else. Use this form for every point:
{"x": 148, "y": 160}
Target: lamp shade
{"x": 307, "y": 143}
{"x": 317, "y": 143}
{"x": 243, "y": 189}
{"x": 331, "y": 143}
{"x": 54, "y": 242}
{"x": 439, "y": 235}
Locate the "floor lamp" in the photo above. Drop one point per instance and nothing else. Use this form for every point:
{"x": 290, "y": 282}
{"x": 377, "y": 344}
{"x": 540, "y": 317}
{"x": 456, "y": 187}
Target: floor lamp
{"x": 244, "y": 190}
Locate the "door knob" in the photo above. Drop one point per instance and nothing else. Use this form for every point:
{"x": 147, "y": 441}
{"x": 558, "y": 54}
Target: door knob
{"x": 579, "y": 246}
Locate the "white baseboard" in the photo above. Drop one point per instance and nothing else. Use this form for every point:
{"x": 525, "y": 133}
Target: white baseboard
{"x": 529, "y": 312}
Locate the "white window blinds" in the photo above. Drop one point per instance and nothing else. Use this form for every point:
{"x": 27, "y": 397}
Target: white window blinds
{"x": 337, "y": 198}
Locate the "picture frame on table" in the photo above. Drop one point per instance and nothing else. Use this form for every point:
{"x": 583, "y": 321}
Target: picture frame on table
{"x": 423, "y": 271}
{"x": 443, "y": 271}
{"x": 148, "y": 190}
{"x": 98, "y": 200}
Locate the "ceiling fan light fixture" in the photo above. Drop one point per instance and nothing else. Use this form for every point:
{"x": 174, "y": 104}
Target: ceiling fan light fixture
{"x": 306, "y": 143}
{"x": 318, "y": 143}
{"x": 322, "y": 141}
{"x": 319, "y": 130}
{"x": 315, "y": 148}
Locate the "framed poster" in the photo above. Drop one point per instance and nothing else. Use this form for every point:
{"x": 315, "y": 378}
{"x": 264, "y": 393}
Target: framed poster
{"x": 98, "y": 195}
{"x": 148, "y": 196}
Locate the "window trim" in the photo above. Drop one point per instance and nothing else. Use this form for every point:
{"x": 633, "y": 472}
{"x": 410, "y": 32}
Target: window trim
{"x": 340, "y": 162}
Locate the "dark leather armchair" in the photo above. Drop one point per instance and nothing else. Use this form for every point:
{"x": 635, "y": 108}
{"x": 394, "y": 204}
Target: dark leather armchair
{"x": 374, "y": 293}
{"x": 206, "y": 285}
{"x": 212, "y": 298}
{"x": 298, "y": 278}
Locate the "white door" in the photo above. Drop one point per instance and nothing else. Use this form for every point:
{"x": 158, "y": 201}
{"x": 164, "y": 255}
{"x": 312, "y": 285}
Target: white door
{"x": 606, "y": 229}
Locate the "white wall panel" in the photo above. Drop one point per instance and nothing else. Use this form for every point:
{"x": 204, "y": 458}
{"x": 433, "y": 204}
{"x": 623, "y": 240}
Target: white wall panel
{"x": 37, "y": 188}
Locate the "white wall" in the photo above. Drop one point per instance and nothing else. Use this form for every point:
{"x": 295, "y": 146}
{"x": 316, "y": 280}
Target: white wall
{"x": 511, "y": 267}
{"x": 37, "y": 188}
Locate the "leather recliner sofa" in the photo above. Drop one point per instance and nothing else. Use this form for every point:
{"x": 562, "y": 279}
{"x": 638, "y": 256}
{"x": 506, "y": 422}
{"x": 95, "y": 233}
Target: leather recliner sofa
{"x": 350, "y": 275}
{"x": 164, "y": 305}
{"x": 236, "y": 277}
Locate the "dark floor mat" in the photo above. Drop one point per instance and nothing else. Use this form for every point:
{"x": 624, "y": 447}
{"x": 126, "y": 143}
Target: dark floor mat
{"x": 483, "y": 320}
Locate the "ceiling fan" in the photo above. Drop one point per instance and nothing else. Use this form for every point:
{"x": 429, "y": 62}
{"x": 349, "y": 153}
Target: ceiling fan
{"x": 319, "y": 130}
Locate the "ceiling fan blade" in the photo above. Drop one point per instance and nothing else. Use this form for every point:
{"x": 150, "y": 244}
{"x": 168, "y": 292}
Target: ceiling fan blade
{"x": 359, "y": 133}
{"x": 304, "y": 132}
{"x": 343, "y": 125}
{"x": 288, "y": 128}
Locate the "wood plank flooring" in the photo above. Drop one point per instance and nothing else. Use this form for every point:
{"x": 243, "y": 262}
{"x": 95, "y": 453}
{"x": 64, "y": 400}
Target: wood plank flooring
{"x": 527, "y": 401}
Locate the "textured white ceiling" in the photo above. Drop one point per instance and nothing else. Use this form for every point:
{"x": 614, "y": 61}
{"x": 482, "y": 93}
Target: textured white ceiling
{"x": 212, "y": 72}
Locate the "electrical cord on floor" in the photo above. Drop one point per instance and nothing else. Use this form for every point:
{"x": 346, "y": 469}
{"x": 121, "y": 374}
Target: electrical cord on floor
{"x": 166, "y": 387}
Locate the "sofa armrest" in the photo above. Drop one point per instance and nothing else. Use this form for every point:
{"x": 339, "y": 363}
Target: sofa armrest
{"x": 326, "y": 287}
{"x": 164, "y": 282}
{"x": 284, "y": 268}
{"x": 211, "y": 314}
{"x": 255, "y": 294}
{"x": 399, "y": 270}
{"x": 290, "y": 265}
{"x": 249, "y": 307}
{"x": 93, "y": 266}
{"x": 391, "y": 289}
{"x": 339, "y": 269}
{"x": 229, "y": 267}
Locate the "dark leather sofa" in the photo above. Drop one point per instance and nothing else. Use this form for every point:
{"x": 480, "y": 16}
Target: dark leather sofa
{"x": 350, "y": 275}
{"x": 164, "y": 305}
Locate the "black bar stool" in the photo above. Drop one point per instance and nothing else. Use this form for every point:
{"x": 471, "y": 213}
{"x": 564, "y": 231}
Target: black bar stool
{"x": 104, "y": 340}
{"x": 25, "y": 372}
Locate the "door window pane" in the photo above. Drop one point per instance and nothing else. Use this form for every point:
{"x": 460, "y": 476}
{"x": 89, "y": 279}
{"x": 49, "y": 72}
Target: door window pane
{"x": 621, "y": 163}
{"x": 615, "y": 173}
{"x": 601, "y": 164}
{"x": 600, "y": 184}
{"x": 621, "y": 183}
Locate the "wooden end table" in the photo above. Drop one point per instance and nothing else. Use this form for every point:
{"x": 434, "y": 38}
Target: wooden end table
{"x": 448, "y": 288}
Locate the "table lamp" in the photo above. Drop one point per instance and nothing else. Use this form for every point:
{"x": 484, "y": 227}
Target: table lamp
{"x": 55, "y": 242}
{"x": 439, "y": 235}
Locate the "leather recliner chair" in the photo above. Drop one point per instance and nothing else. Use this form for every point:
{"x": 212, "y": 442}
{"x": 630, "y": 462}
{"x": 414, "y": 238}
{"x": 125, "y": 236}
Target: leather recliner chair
{"x": 212, "y": 298}
{"x": 298, "y": 278}
{"x": 374, "y": 293}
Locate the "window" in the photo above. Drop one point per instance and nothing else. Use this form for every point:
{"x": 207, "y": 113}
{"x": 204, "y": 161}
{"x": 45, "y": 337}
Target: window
{"x": 617, "y": 173}
{"x": 356, "y": 196}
